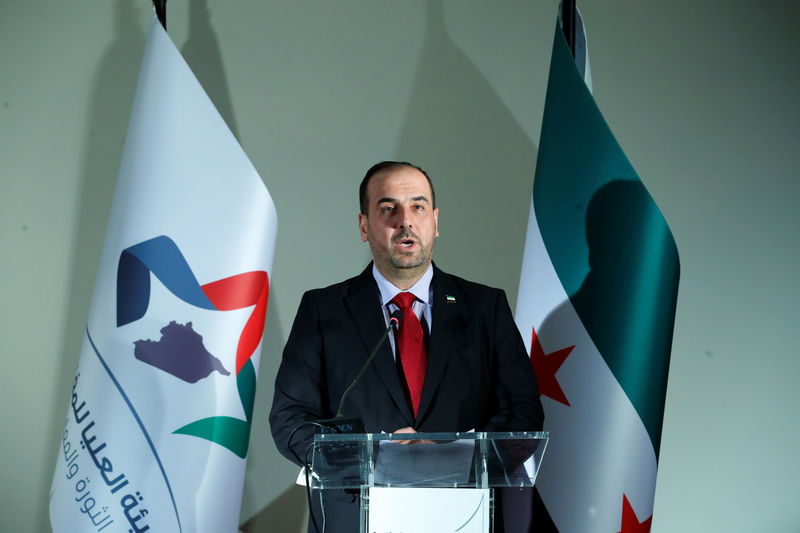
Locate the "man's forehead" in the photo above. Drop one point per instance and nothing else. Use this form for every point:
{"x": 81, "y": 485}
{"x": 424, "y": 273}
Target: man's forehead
{"x": 399, "y": 181}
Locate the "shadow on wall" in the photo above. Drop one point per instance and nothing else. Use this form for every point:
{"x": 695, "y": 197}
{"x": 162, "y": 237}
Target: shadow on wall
{"x": 458, "y": 128}
{"x": 107, "y": 122}
{"x": 274, "y": 517}
{"x": 202, "y": 53}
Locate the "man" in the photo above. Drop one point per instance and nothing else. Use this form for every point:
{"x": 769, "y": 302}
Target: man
{"x": 458, "y": 365}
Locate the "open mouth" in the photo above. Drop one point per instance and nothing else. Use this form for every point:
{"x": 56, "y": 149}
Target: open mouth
{"x": 406, "y": 243}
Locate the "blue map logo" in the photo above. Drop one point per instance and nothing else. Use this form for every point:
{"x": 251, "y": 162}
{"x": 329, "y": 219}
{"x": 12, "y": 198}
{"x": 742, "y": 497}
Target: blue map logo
{"x": 180, "y": 350}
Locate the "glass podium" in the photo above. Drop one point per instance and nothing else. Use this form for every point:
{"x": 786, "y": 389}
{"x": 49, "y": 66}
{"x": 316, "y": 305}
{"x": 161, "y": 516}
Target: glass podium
{"x": 447, "y": 479}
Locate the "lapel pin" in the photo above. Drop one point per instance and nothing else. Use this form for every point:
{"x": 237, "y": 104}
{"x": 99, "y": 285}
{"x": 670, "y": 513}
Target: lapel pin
{"x": 450, "y": 299}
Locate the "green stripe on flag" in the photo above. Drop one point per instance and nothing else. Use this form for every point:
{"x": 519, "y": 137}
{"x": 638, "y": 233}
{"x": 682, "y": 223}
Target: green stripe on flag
{"x": 609, "y": 243}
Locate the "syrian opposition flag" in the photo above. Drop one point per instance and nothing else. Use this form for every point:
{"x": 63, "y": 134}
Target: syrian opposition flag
{"x": 158, "y": 421}
{"x": 596, "y": 308}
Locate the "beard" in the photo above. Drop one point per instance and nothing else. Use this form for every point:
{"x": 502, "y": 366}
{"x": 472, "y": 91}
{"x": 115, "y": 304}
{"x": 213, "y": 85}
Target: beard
{"x": 398, "y": 259}
{"x": 407, "y": 261}
{"x": 394, "y": 258}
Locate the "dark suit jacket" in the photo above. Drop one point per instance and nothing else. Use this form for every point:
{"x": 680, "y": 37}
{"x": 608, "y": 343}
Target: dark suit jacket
{"x": 478, "y": 375}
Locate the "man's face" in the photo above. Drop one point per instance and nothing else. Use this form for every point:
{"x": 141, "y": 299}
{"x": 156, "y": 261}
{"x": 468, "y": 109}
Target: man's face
{"x": 401, "y": 223}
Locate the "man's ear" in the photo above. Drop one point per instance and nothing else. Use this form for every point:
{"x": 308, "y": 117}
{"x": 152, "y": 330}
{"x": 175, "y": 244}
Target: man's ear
{"x": 436, "y": 221}
{"x": 362, "y": 226}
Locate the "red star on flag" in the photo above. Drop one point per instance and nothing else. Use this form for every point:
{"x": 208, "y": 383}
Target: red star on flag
{"x": 630, "y": 523}
{"x": 546, "y": 366}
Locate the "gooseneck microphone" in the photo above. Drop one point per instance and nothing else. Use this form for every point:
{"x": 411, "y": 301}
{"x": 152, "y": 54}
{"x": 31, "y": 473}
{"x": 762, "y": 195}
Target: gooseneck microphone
{"x": 339, "y": 424}
{"x": 394, "y": 321}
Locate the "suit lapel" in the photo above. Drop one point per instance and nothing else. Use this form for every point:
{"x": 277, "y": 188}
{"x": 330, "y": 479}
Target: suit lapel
{"x": 363, "y": 305}
{"x": 447, "y": 321}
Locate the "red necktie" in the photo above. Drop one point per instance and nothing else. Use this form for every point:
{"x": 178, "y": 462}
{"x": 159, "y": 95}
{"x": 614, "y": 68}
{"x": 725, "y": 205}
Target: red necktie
{"x": 411, "y": 348}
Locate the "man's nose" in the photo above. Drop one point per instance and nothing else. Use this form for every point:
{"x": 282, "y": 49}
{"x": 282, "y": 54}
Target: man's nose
{"x": 404, "y": 217}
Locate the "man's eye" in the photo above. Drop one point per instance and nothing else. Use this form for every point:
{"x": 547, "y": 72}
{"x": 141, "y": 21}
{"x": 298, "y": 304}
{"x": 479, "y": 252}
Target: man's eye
{"x": 387, "y": 209}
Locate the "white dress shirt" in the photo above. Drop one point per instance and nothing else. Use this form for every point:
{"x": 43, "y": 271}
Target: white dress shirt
{"x": 422, "y": 307}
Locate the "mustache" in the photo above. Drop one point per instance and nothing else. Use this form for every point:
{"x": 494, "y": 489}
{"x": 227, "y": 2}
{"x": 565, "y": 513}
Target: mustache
{"x": 405, "y": 234}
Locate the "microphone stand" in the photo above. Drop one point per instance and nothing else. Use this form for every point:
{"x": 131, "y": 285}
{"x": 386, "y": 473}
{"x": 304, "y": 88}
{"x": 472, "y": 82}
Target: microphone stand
{"x": 340, "y": 424}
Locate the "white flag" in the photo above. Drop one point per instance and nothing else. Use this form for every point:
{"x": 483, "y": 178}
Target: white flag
{"x": 158, "y": 425}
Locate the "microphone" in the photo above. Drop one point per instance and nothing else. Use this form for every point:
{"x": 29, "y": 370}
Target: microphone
{"x": 339, "y": 424}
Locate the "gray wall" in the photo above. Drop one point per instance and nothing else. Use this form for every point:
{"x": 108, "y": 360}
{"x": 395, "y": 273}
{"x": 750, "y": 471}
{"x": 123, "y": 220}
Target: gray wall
{"x": 703, "y": 96}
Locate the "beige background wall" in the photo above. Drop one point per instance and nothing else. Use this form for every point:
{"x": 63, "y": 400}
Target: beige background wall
{"x": 703, "y": 96}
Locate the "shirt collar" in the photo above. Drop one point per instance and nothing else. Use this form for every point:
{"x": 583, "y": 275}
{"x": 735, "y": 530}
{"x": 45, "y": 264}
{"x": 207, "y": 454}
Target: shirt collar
{"x": 421, "y": 289}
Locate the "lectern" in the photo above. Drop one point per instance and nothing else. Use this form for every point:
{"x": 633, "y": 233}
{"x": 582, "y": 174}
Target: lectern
{"x": 426, "y": 482}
